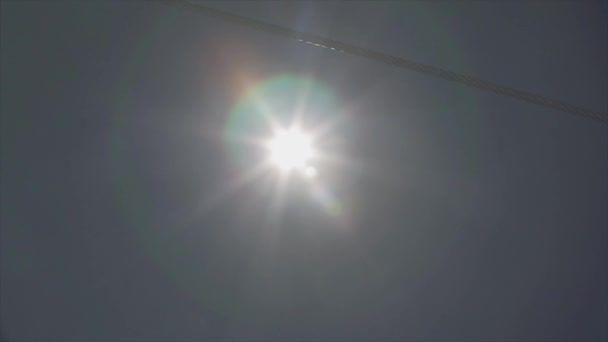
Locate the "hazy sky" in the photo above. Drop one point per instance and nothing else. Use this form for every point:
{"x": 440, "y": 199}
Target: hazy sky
{"x": 452, "y": 214}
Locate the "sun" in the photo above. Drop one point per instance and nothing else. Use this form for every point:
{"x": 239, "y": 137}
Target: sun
{"x": 291, "y": 149}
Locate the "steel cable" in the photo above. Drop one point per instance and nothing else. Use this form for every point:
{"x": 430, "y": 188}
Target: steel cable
{"x": 320, "y": 41}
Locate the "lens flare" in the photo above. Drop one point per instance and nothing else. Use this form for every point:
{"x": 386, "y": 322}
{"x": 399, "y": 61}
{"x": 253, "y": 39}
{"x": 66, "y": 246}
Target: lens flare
{"x": 310, "y": 172}
{"x": 290, "y": 149}
{"x": 287, "y": 119}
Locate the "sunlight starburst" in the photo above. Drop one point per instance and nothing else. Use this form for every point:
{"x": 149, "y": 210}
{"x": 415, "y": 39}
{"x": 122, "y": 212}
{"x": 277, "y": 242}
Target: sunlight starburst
{"x": 291, "y": 149}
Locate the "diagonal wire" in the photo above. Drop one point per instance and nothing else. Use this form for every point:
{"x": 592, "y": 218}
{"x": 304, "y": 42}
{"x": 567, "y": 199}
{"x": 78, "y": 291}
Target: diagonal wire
{"x": 323, "y": 42}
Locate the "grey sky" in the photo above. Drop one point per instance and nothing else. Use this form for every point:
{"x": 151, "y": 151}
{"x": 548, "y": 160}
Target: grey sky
{"x": 465, "y": 215}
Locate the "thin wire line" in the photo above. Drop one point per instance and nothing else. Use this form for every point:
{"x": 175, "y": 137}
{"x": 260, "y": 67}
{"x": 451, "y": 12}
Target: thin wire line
{"x": 334, "y": 45}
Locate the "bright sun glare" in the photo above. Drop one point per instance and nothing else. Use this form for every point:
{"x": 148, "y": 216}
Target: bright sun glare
{"x": 285, "y": 121}
{"x": 292, "y": 149}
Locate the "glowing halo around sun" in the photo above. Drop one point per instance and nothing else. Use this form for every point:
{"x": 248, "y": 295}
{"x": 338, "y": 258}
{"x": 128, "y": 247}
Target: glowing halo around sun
{"x": 274, "y": 126}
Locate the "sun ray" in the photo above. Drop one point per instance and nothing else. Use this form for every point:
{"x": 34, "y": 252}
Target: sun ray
{"x": 275, "y": 208}
{"x": 263, "y": 108}
{"x": 302, "y": 102}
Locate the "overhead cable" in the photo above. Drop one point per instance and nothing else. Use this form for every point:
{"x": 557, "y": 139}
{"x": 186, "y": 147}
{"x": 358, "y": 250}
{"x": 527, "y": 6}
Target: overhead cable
{"x": 335, "y": 45}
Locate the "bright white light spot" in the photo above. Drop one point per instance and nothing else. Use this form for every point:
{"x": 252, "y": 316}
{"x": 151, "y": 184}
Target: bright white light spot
{"x": 290, "y": 149}
{"x": 310, "y": 172}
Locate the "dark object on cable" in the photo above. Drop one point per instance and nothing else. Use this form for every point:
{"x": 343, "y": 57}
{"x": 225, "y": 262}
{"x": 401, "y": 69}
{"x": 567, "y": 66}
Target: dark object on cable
{"x": 393, "y": 60}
